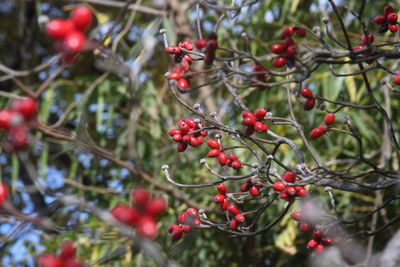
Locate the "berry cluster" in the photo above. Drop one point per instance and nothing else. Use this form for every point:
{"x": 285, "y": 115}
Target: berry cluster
{"x": 258, "y": 78}
{"x": 16, "y": 121}
{"x": 319, "y": 242}
{"x": 307, "y": 94}
{"x": 287, "y": 49}
{"x": 252, "y": 187}
{"x": 289, "y": 192}
{"x": 221, "y": 198}
{"x": 142, "y": 214}
{"x": 69, "y": 33}
{"x": 321, "y": 130}
{"x": 253, "y": 121}
{"x": 210, "y": 46}
{"x": 230, "y": 160}
{"x": 182, "y": 136}
{"x": 3, "y": 193}
{"x": 187, "y": 221}
{"x": 387, "y": 21}
{"x": 184, "y": 59}
{"x": 366, "y": 41}
{"x": 66, "y": 257}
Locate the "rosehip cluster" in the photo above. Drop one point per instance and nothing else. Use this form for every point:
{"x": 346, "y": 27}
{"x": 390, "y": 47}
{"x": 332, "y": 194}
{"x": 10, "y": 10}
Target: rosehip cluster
{"x": 258, "y": 78}
{"x": 184, "y": 59}
{"x": 66, "y": 257}
{"x": 230, "y": 160}
{"x": 387, "y": 21}
{"x": 221, "y": 197}
{"x": 142, "y": 214}
{"x": 289, "y": 192}
{"x": 366, "y": 41}
{"x": 69, "y": 33}
{"x": 253, "y": 121}
{"x": 319, "y": 242}
{"x": 298, "y": 216}
{"x": 3, "y": 193}
{"x": 307, "y": 94}
{"x": 210, "y": 46}
{"x": 187, "y": 221}
{"x": 323, "y": 129}
{"x": 16, "y": 121}
{"x": 182, "y": 136}
{"x": 252, "y": 187}
{"x": 288, "y": 49}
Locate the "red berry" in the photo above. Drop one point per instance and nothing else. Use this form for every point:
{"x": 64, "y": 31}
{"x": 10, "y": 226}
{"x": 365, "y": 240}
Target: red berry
{"x": 310, "y": 103}
{"x": 368, "y": 40}
{"x": 387, "y": 10}
{"x": 393, "y": 28}
{"x": 329, "y": 118}
{"x": 247, "y": 113}
{"x": 192, "y": 212}
{"x": 224, "y": 204}
{"x": 222, "y": 158}
{"x": 260, "y": 113}
{"x": 249, "y": 130}
{"x": 289, "y": 177}
{"x": 291, "y": 50}
{"x": 283, "y": 195}
{"x": 392, "y": 18}
{"x": 67, "y": 250}
{"x": 19, "y": 137}
{"x": 201, "y": 43}
{"x": 183, "y": 83}
{"x": 240, "y": 218}
{"x": 288, "y": 31}
{"x": 304, "y": 227}
{"x": 74, "y": 42}
{"x": 254, "y": 191}
{"x": 249, "y": 121}
{"x": 380, "y": 19}
{"x": 279, "y": 186}
{"x": 306, "y": 93}
{"x": 140, "y": 196}
{"x": 125, "y": 214}
{"x": 172, "y": 228}
{"x": 183, "y": 127}
{"x": 222, "y": 189}
{"x": 279, "y": 62}
{"x": 296, "y": 215}
{"x": 317, "y": 235}
{"x": 317, "y": 132}
{"x": 3, "y": 193}
{"x": 6, "y": 117}
{"x": 48, "y": 260}
{"x": 236, "y": 164}
{"x": 174, "y": 132}
{"x": 147, "y": 227}
{"x": 319, "y": 249}
{"x": 233, "y": 225}
{"x": 177, "y": 138}
{"x": 301, "y": 32}
{"x": 219, "y": 198}
{"x": 186, "y": 45}
{"x": 190, "y": 122}
{"x": 82, "y": 17}
{"x": 59, "y": 28}
{"x": 72, "y": 263}
{"x": 26, "y": 107}
{"x": 233, "y": 209}
{"x": 312, "y": 244}
{"x": 244, "y": 187}
{"x": 177, "y": 234}
{"x": 156, "y": 206}
{"x": 196, "y": 222}
{"x": 182, "y": 217}
{"x": 181, "y": 147}
{"x": 173, "y": 50}
{"x": 233, "y": 157}
{"x": 186, "y": 228}
{"x": 396, "y": 81}
{"x": 213, "y": 144}
{"x": 327, "y": 241}
{"x": 212, "y": 44}
{"x": 302, "y": 192}
{"x": 278, "y": 49}
{"x": 213, "y": 153}
{"x": 288, "y": 42}
{"x": 290, "y": 190}
{"x": 193, "y": 141}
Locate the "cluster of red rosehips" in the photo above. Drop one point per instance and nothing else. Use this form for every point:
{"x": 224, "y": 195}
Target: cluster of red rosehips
{"x": 387, "y": 21}
{"x": 182, "y": 136}
{"x": 288, "y": 49}
{"x": 366, "y": 41}
{"x": 307, "y": 94}
{"x": 3, "y": 193}
{"x": 210, "y": 46}
{"x": 184, "y": 59}
{"x": 253, "y": 121}
{"x": 16, "y": 121}
{"x": 66, "y": 257}
{"x": 319, "y": 242}
{"x": 142, "y": 214}
{"x": 252, "y": 187}
{"x": 230, "y": 160}
{"x": 286, "y": 191}
{"x": 187, "y": 221}
{"x": 259, "y": 78}
{"x": 321, "y": 130}
{"x": 69, "y": 33}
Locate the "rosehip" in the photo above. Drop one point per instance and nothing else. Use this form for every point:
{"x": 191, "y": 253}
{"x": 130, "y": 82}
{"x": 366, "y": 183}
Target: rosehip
{"x": 67, "y": 250}
{"x": 233, "y": 209}
{"x": 173, "y": 50}
{"x": 368, "y": 40}
{"x": 240, "y": 218}
{"x": 183, "y": 83}
{"x": 279, "y": 62}
{"x": 186, "y": 228}
{"x": 291, "y": 50}
{"x": 312, "y": 244}
{"x": 176, "y": 234}
{"x": 247, "y": 113}
{"x": 147, "y": 227}
{"x": 6, "y": 116}
{"x": 172, "y": 228}
{"x": 26, "y": 107}
{"x": 48, "y": 260}
{"x": 254, "y": 191}
{"x": 125, "y": 214}
{"x": 82, "y": 17}
{"x": 233, "y": 157}
{"x": 222, "y": 189}
{"x": 290, "y": 190}
{"x": 74, "y": 42}
{"x": 317, "y": 132}
{"x": 233, "y": 225}
{"x": 156, "y": 206}
{"x": 224, "y": 204}
{"x": 393, "y": 28}
{"x": 387, "y": 10}
{"x": 213, "y": 153}
{"x": 301, "y": 32}
{"x": 380, "y": 19}
{"x": 329, "y": 118}
{"x": 396, "y": 80}
{"x": 289, "y": 177}
{"x": 59, "y": 28}
{"x": 327, "y": 241}
{"x": 249, "y": 130}
{"x": 319, "y": 249}
{"x": 236, "y": 165}
{"x": 3, "y": 193}
{"x": 301, "y": 192}
{"x": 304, "y": 227}
{"x": 392, "y": 18}
{"x": 181, "y": 147}
{"x": 317, "y": 234}
{"x": 140, "y": 196}
{"x": 278, "y": 186}
{"x": 219, "y": 198}
{"x": 296, "y": 215}
{"x": 310, "y": 103}
{"x": 182, "y": 217}
{"x": 201, "y": 43}
{"x": 278, "y": 49}
{"x": 213, "y": 144}
{"x": 222, "y": 158}
{"x": 306, "y": 93}
{"x": 174, "y": 132}
{"x": 249, "y": 121}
